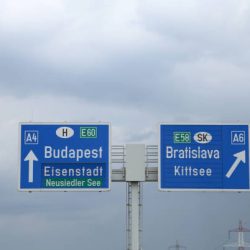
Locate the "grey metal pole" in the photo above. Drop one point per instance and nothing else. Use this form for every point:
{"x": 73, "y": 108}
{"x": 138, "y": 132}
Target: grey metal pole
{"x": 135, "y": 215}
{"x": 134, "y": 207}
{"x": 132, "y": 160}
{"x": 135, "y": 174}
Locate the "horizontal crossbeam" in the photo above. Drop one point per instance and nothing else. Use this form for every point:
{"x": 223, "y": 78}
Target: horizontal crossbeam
{"x": 119, "y": 162}
{"x": 119, "y": 175}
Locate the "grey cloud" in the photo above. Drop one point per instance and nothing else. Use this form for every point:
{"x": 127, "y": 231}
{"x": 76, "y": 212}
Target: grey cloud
{"x": 151, "y": 73}
{"x": 135, "y": 64}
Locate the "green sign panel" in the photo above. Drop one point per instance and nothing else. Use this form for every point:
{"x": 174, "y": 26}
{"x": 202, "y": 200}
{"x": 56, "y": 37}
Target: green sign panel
{"x": 88, "y": 132}
{"x": 182, "y": 137}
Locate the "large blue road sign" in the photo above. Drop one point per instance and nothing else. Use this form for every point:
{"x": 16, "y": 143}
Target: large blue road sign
{"x": 64, "y": 157}
{"x": 204, "y": 157}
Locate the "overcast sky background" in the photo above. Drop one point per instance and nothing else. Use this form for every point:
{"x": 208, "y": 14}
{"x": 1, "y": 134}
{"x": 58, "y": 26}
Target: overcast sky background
{"x": 133, "y": 63}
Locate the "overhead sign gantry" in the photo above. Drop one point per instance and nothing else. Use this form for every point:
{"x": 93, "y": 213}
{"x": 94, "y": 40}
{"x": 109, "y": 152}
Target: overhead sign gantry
{"x": 76, "y": 157}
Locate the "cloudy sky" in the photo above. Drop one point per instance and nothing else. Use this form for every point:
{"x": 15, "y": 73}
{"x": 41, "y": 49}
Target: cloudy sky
{"x": 133, "y": 63}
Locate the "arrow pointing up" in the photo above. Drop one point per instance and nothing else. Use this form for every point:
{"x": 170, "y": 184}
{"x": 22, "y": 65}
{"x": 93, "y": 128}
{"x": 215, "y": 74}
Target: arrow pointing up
{"x": 31, "y": 157}
{"x": 240, "y": 157}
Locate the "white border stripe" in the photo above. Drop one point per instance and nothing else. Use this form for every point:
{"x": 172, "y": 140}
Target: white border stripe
{"x": 62, "y": 189}
{"x": 194, "y": 189}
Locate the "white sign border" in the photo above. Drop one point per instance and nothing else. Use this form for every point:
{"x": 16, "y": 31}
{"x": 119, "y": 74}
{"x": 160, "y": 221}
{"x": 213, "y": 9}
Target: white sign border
{"x": 195, "y": 189}
{"x": 63, "y": 189}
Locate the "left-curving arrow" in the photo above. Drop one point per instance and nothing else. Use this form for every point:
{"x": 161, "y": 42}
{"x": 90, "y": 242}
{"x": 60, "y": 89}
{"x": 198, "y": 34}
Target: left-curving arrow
{"x": 31, "y": 157}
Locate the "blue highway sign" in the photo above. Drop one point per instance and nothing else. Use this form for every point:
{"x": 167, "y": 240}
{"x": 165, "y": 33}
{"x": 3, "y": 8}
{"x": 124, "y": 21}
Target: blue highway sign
{"x": 64, "y": 157}
{"x": 204, "y": 157}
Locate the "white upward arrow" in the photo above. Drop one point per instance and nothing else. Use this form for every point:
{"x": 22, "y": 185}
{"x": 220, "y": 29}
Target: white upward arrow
{"x": 241, "y": 156}
{"x": 31, "y": 157}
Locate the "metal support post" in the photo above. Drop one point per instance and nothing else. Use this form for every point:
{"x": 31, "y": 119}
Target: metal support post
{"x": 135, "y": 174}
{"x": 134, "y": 215}
{"x": 129, "y": 166}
